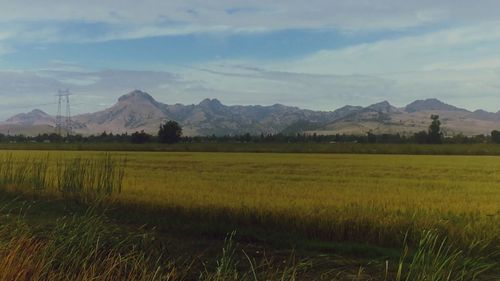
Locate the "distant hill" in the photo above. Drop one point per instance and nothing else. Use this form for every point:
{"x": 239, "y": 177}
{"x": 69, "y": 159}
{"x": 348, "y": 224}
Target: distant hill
{"x": 430, "y": 104}
{"x": 138, "y": 110}
{"x": 134, "y": 111}
{"x": 32, "y": 118}
{"x": 383, "y": 118}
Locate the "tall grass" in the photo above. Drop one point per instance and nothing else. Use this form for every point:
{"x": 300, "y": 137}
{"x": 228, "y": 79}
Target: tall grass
{"x": 25, "y": 172}
{"x": 96, "y": 176}
{"x": 83, "y": 247}
{"x": 438, "y": 259}
{"x": 88, "y": 246}
{"x": 228, "y": 267}
{"x": 90, "y": 176}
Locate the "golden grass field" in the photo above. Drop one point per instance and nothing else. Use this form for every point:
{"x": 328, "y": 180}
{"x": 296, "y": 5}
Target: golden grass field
{"x": 360, "y": 197}
{"x": 365, "y": 198}
{"x": 381, "y": 200}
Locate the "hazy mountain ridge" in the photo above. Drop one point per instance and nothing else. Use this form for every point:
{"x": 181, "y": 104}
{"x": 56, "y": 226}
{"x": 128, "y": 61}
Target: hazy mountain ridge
{"x": 431, "y": 104}
{"x": 34, "y": 117}
{"x": 383, "y": 118}
{"x": 138, "y": 110}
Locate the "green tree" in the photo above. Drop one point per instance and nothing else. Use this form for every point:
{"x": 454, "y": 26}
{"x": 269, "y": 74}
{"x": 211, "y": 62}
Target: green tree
{"x": 246, "y": 137}
{"x": 140, "y": 137}
{"x": 170, "y": 132}
{"x": 371, "y": 137}
{"x": 435, "y": 135}
{"x": 495, "y": 136}
{"x": 421, "y": 137}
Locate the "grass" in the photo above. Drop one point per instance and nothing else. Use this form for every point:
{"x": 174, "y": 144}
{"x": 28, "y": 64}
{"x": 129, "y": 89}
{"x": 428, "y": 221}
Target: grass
{"x": 300, "y": 147}
{"x": 89, "y": 246}
{"x": 89, "y": 176}
{"x": 362, "y": 198}
{"x": 444, "y": 209}
{"x": 435, "y": 258}
{"x": 77, "y": 176}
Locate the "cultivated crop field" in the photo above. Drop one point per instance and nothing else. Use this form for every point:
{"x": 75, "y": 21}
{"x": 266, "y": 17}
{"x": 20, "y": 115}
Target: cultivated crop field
{"x": 373, "y": 200}
{"x": 355, "y": 197}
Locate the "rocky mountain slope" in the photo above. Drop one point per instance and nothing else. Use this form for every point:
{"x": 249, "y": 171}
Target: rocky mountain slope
{"x": 138, "y": 110}
{"x": 384, "y": 118}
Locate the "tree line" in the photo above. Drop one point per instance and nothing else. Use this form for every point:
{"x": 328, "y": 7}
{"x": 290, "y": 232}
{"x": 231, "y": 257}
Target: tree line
{"x": 171, "y": 132}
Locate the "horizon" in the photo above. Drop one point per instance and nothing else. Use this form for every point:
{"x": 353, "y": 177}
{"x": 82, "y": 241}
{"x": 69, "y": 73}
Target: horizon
{"x": 320, "y": 56}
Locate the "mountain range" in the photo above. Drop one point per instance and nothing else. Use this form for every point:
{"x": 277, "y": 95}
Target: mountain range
{"x": 138, "y": 111}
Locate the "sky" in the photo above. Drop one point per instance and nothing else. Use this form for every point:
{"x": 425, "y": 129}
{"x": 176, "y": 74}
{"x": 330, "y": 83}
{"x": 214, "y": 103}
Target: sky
{"x": 316, "y": 54}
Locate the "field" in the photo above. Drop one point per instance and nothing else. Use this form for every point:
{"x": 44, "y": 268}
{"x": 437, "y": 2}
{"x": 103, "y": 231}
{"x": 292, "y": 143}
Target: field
{"x": 337, "y": 211}
{"x": 298, "y": 147}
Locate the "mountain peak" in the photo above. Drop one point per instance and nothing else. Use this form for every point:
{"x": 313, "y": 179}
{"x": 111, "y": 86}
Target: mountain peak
{"x": 211, "y": 103}
{"x": 430, "y": 104}
{"x": 38, "y": 112}
{"x": 137, "y": 96}
{"x": 33, "y": 117}
{"x": 383, "y": 106}
{"x": 382, "y": 103}
{"x": 35, "y": 113}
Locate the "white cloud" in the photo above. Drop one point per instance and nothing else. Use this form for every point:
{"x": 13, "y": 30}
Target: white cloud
{"x": 468, "y": 47}
{"x": 26, "y": 90}
{"x": 235, "y": 83}
{"x": 458, "y": 64}
{"x": 4, "y": 49}
{"x": 238, "y": 84}
{"x": 135, "y": 19}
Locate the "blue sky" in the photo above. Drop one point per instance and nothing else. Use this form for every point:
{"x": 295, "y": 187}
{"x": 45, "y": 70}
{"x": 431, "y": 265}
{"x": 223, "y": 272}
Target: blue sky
{"x": 318, "y": 54}
{"x": 184, "y": 49}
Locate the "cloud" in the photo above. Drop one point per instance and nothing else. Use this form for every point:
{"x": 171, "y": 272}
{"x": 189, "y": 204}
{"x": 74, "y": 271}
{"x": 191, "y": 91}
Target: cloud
{"x": 125, "y": 19}
{"x": 4, "y": 49}
{"x": 455, "y": 48}
{"x": 459, "y": 65}
{"x": 448, "y": 49}
{"x": 239, "y": 83}
{"x": 243, "y": 82}
{"x": 26, "y": 90}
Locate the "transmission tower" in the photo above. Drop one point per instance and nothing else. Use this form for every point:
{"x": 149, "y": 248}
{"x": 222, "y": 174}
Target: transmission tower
{"x": 63, "y": 96}
{"x": 68, "y": 116}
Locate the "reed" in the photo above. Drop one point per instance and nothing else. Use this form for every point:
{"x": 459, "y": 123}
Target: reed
{"x": 436, "y": 258}
{"x": 86, "y": 177}
{"x": 92, "y": 177}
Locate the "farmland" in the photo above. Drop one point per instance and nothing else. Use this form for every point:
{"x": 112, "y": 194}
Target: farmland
{"x": 361, "y": 207}
{"x": 329, "y": 196}
{"x": 294, "y": 147}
